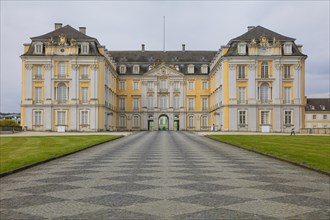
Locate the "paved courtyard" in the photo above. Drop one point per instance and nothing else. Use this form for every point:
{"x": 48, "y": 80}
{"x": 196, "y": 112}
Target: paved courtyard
{"x": 165, "y": 175}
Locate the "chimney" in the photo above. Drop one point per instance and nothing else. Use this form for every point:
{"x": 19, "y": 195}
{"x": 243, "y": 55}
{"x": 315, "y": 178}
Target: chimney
{"x": 250, "y": 28}
{"x": 82, "y": 30}
{"x": 183, "y": 47}
{"x": 58, "y": 25}
{"x": 143, "y": 47}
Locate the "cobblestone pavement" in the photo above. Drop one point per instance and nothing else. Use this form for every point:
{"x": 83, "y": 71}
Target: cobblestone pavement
{"x": 165, "y": 175}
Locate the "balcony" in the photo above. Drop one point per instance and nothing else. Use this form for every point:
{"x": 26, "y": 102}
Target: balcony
{"x": 163, "y": 91}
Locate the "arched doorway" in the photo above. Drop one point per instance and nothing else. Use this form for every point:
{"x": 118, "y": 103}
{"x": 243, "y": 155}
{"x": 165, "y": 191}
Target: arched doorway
{"x": 163, "y": 122}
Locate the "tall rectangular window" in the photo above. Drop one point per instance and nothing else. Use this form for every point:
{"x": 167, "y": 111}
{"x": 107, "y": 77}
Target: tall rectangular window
{"x": 242, "y": 95}
{"x": 204, "y": 121}
{"x": 150, "y": 102}
{"x": 191, "y": 85}
{"x": 163, "y": 102}
{"x": 60, "y": 117}
{"x": 122, "y": 85}
{"x": 61, "y": 70}
{"x": 191, "y": 121}
{"x": 264, "y": 70}
{"x": 204, "y": 104}
{"x": 37, "y": 118}
{"x": 163, "y": 84}
{"x": 176, "y": 86}
{"x": 287, "y": 95}
{"x": 242, "y": 117}
{"x": 150, "y": 85}
{"x": 84, "y": 95}
{"x": 287, "y": 72}
{"x": 191, "y": 104}
{"x": 135, "y": 104}
{"x": 84, "y": 118}
{"x": 287, "y": 117}
{"x": 38, "y": 95}
{"x": 265, "y": 118}
{"x": 135, "y": 121}
{"x": 84, "y": 72}
{"x": 241, "y": 71}
{"x": 204, "y": 85}
{"x": 38, "y": 72}
{"x": 135, "y": 85}
{"x": 122, "y": 121}
{"x": 122, "y": 103}
{"x": 176, "y": 105}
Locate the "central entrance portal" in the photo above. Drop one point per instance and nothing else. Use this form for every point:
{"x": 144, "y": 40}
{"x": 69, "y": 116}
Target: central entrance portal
{"x": 163, "y": 123}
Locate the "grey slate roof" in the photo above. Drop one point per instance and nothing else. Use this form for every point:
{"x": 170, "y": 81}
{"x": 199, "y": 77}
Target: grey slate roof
{"x": 259, "y": 31}
{"x": 317, "y": 103}
{"x": 146, "y": 58}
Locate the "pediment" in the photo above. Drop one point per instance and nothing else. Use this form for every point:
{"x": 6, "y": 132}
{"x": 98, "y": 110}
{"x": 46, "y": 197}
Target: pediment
{"x": 163, "y": 70}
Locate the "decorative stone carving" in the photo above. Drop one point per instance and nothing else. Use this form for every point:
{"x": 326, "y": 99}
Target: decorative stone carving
{"x": 94, "y": 66}
{"x": 74, "y": 66}
{"x": 48, "y": 66}
{"x": 28, "y": 66}
{"x": 62, "y": 40}
{"x": 252, "y": 67}
{"x": 50, "y": 41}
{"x": 278, "y": 66}
{"x": 264, "y": 41}
{"x": 73, "y": 42}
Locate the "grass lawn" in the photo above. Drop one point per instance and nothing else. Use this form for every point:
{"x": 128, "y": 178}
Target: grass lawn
{"x": 16, "y": 152}
{"x": 310, "y": 151}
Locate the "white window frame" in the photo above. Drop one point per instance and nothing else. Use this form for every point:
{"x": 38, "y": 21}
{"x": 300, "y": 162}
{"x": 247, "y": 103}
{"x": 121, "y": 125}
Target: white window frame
{"x": 191, "y": 68}
{"x": 287, "y": 117}
{"x": 61, "y": 69}
{"x": 150, "y": 102}
{"x": 204, "y": 120}
{"x": 122, "y": 121}
{"x": 122, "y": 103}
{"x": 84, "y": 117}
{"x": 265, "y": 117}
{"x": 204, "y": 68}
{"x": 287, "y": 71}
{"x": 136, "y": 104}
{"x": 242, "y": 117}
{"x": 38, "y": 48}
{"x": 122, "y": 85}
{"x": 191, "y": 104}
{"x": 136, "y": 69}
{"x": 37, "y": 118}
{"x": 84, "y": 48}
{"x": 241, "y": 48}
{"x": 205, "y": 85}
{"x": 241, "y": 72}
{"x": 163, "y": 102}
{"x": 38, "y": 95}
{"x": 190, "y": 121}
{"x": 287, "y": 48}
{"x": 241, "y": 95}
{"x": 150, "y": 85}
{"x": 163, "y": 84}
{"x": 135, "y": 85}
{"x": 176, "y": 85}
{"x": 264, "y": 73}
{"x": 84, "y": 72}
{"x": 136, "y": 121}
{"x": 61, "y": 118}
{"x": 191, "y": 85}
{"x": 264, "y": 93}
{"x": 122, "y": 69}
{"x": 176, "y": 102}
{"x": 38, "y": 72}
{"x": 84, "y": 95}
{"x": 62, "y": 93}
{"x": 204, "y": 104}
{"x": 287, "y": 95}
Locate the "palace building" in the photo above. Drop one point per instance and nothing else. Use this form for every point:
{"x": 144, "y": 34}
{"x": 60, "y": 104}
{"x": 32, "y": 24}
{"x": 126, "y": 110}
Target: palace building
{"x": 70, "y": 82}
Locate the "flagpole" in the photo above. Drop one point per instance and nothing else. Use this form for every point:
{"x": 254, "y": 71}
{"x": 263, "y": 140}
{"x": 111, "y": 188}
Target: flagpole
{"x": 163, "y": 33}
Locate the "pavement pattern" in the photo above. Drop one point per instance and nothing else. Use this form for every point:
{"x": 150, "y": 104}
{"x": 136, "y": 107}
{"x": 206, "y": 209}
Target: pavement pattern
{"x": 165, "y": 175}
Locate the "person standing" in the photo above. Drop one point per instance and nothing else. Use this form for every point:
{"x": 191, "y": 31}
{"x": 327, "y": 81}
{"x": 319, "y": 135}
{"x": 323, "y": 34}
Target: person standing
{"x": 292, "y": 131}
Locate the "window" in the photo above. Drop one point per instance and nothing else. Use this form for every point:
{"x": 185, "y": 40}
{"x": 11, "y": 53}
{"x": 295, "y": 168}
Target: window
{"x": 264, "y": 70}
{"x": 265, "y": 118}
{"x": 177, "y": 67}
{"x": 241, "y": 71}
{"x": 122, "y": 85}
{"x": 136, "y": 69}
{"x": 204, "y": 85}
{"x": 287, "y": 48}
{"x": 150, "y": 102}
{"x": 264, "y": 93}
{"x": 324, "y": 117}
{"x": 38, "y": 72}
{"x": 176, "y": 102}
{"x": 204, "y": 121}
{"x": 135, "y": 85}
{"x": 38, "y": 48}
{"x": 242, "y": 48}
{"x": 84, "y": 95}
{"x": 60, "y": 117}
{"x": 191, "y": 104}
{"x": 191, "y": 68}
{"x": 37, "y": 118}
{"x": 38, "y": 94}
{"x": 163, "y": 102}
{"x": 287, "y": 95}
{"x": 204, "y": 104}
{"x": 122, "y": 69}
{"x": 176, "y": 86}
{"x": 150, "y": 85}
{"x": 122, "y": 103}
{"x": 61, "y": 93}
{"x": 191, "y": 121}
{"x": 204, "y": 68}
{"x": 135, "y": 104}
{"x": 163, "y": 84}
{"x": 287, "y": 74}
{"x": 242, "y": 117}
{"x": 135, "y": 121}
{"x": 84, "y": 118}
{"x": 242, "y": 95}
{"x": 287, "y": 117}
{"x": 84, "y": 72}
{"x": 84, "y": 48}
{"x": 314, "y": 117}
{"x": 122, "y": 121}
{"x": 61, "y": 70}
{"x": 191, "y": 85}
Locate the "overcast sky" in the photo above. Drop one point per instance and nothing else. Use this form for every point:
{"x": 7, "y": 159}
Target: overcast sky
{"x": 201, "y": 25}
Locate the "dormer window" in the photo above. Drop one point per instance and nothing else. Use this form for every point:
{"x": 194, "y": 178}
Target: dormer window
{"x": 322, "y": 107}
{"x": 242, "y": 48}
{"x": 191, "y": 68}
{"x": 287, "y": 47}
{"x": 84, "y": 48}
{"x": 122, "y": 69}
{"x": 38, "y": 48}
{"x": 312, "y": 107}
{"x": 177, "y": 68}
{"x": 136, "y": 69}
{"x": 204, "y": 68}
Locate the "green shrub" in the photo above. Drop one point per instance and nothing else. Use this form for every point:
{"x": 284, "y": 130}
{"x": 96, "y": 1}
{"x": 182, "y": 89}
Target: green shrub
{"x": 8, "y": 123}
